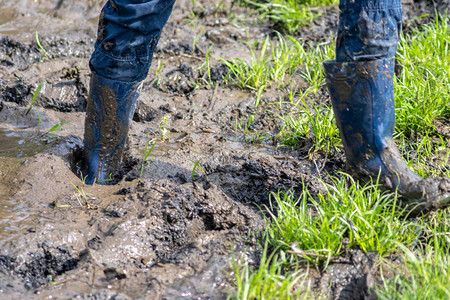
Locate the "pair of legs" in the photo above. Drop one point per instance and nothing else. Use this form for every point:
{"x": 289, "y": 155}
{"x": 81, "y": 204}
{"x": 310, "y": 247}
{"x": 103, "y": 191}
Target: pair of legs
{"x": 360, "y": 82}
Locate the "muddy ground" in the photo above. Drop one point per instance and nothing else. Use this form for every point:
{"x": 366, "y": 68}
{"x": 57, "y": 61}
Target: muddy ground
{"x": 169, "y": 232}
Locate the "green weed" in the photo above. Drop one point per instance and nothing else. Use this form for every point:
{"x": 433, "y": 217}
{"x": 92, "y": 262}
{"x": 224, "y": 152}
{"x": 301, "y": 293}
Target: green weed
{"x": 196, "y": 166}
{"x": 207, "y": 66}
{"x": 148, "y": 150}
{"x": 44, "y": 52}
{"x": 163, "y": 123}
{"x": 81, "y": 195}
{"x": 35, "y": 94}
{"x": 56, "y": 127}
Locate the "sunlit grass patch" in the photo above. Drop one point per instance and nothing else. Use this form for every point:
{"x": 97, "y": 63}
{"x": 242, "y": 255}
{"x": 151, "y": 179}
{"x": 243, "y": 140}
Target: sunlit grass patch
{"x": 423, "y": 96}
{"x": 315, "y": 124}
{"x": 423, "y": 88}
{"x": 348, "y": 214}
{"x": 289, "y": 14}
{"x": 429, "y": 156}
{"x": 271, "y": 279}
{"x": 422, "y": 277}
{"x": 276, "y": 61}
{"x": 363, "y": 215}
{"x": 279, "y": 63}
{"x": 425, "y": 273}
{"x": 436, "y": 230}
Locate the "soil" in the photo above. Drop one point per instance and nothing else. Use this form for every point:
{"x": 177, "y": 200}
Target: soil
{"x": 170, "y": 231}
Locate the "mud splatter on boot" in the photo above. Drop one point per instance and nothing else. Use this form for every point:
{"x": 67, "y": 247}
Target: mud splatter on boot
{"x": 110, "y": 107}
{"x": 362, "y": 94}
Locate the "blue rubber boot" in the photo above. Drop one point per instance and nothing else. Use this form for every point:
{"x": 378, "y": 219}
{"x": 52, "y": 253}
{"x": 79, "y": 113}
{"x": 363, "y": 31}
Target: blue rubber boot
{"x": 109, "y": 111}
{"x": 362, "y": 94}
{"x": 128, "y": 33}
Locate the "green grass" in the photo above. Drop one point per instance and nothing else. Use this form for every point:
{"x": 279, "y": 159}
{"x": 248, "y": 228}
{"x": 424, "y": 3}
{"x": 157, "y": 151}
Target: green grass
{"x": 269, "y": 280}
{"x": 318, "y": 229}
{"x": 425, "y": 273}
{"x": 423, "y": 277}
{"x": 282, "y": 63}
{"x": 429, "y": 156}
{"x": 290, "y": 15}
{"x": 276, "y": 62}
{"x": 423, "y": 96}
{"x": 315, "y": 124}
{"x": 423, "y": 88}
{"x": 364, "y": 216}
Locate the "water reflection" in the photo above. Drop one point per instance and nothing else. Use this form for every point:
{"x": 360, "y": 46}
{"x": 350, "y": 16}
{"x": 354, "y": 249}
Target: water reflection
{"x": 21, "y": 143}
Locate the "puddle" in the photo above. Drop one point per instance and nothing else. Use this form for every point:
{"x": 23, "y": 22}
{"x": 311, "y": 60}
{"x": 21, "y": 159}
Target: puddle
{"x": 12, "y": 217}
{"x": 15, "y": 147}
{"x": 12, "y": 213}
{"x": 6, "y": 15}
{"x": 21, "y": 143}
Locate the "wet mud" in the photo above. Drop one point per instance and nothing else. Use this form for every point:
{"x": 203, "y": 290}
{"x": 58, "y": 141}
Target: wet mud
{"x": 170, "y": 226}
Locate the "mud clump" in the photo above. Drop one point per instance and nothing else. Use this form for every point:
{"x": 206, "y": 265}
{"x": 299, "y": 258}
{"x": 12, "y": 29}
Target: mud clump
{"x": 352, "y": 277}
{"x": 63, "y": 96}
{"x": 251, "y": 182}
{"x": 40, "y": 266}
{"x": 14, "y": 53}
{"x": 159, "y": 228}
{"x": 179, "y": 81}
{"x": 19, "y": 93}
{"x": 144, "y": 113}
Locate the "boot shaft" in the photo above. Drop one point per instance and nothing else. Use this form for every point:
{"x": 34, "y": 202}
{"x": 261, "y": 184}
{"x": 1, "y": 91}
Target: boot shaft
{"x": 362, "y": 94}
{"x": 110, "y": 108}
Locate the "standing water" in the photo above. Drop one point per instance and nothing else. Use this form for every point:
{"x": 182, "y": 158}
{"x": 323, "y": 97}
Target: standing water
{"x": 15, "y": 147}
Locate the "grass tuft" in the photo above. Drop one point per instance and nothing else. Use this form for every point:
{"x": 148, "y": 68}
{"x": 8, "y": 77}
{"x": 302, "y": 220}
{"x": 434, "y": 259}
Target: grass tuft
{"x": 316, "y": 124}
{"x": 423, "y": 88}
{"x": 344, "y": 212}
{"x": 269, "y": 280}
{"x": 290, "y": 15}
{"x": 422, "y": 277}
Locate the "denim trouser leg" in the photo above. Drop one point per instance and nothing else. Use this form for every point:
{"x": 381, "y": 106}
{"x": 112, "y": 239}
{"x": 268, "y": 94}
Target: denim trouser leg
{"x": 368, "y": 29}
{"x": 128, "y": 32}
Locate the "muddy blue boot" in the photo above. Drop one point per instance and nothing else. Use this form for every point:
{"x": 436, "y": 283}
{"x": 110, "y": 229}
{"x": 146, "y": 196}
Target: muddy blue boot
{"x": 128, "y": 32}
{"x": 109, "y": 111}
{"x": 362, "y": 94}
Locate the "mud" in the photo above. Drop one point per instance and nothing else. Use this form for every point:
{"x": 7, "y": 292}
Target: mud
{"x": 168, "y": 231}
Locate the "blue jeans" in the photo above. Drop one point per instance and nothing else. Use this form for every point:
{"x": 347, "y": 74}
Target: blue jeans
{"x": 368, "y": 29}
{"x": 128, "y": 33}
